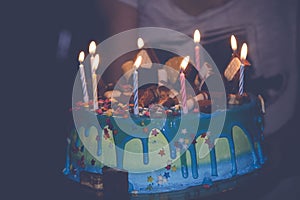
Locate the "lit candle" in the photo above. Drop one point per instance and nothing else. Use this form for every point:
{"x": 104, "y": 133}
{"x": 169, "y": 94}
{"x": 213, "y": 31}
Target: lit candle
{"x": 82, "y": 77}
{"x": 140, "y": 43}
{"x": 233, "y": 43}
{"x": 92, "y": 51}
{"x": 244, "y": 52}
{"x": 136, "y": 65}
{"x": 183, "y": 65}
{"x": 197, "y": 38}
{"x": 94, "y": 81}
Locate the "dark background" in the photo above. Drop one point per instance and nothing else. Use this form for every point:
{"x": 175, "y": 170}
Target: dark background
{"x": 37, "y": 83}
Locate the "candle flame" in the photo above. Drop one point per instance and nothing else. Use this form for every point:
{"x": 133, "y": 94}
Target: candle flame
{"x": 233, "y": 43}
{"x": 244, "y": 52}
{"x": 81, "y": 57}
{"x": 92, "y": 47}
{"x": 137, "y": 62}
{"x": 185, "y": 62}
{"x": 140, "y": 43}
{"x": 197, "y": 36}
{"x": 95, "y": 63}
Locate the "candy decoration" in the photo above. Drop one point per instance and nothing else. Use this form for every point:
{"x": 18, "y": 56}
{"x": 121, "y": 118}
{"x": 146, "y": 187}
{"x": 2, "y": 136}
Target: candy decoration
{"x": 232, "y": 68}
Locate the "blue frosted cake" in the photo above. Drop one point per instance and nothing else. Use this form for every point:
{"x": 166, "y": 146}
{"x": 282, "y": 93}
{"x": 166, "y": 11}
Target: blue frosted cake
{"x": 162, "y": 149}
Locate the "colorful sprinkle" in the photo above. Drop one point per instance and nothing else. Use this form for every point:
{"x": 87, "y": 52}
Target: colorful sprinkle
{"x": 168, "y": 167}
{"x": 173, "y": 168}
{"x": 167, "y": 175}
{"x": 181, "y": 140}
{"x": 149, "y": 179}
{"x": 162, "y": 152}
{"x": 154, "y": 132}
{"x": 149, "y": 187}
{"x": 98, "y": 138}
{"x": 109, "y": 113}
{"x": 186, "y": 141}
{"x": 209, "y": 143}
{"x": 160, "y": 179}
{"x": 99, "y": 111}
{"x": 146, "y": 130}
{"x": 184, "y": 131}
{"x": 106, "y": 134}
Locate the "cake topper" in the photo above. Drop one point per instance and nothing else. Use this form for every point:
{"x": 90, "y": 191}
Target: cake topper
{"x": 146, "y": 62}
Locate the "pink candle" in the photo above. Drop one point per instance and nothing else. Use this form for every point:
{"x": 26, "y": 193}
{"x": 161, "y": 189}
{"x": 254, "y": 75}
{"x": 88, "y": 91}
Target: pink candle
{"x": 183, "y": 65}
{"x": 197, "y": 37}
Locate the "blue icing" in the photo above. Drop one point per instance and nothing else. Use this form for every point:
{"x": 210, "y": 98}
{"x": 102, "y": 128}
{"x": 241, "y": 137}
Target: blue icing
{"x": 246, "y": 116}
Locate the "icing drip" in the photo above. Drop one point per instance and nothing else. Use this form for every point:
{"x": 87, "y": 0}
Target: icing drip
{"x": 194, "y": 166}
{"x": 213, "y": 162}
{"x": 184, "y": 170}
{"x": 145, "y": 150}
{"x": 87, "y": 132}
{"x": 232, "y": 155}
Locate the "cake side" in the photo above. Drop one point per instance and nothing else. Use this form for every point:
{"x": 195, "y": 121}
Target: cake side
{"x": 160, "y": 163}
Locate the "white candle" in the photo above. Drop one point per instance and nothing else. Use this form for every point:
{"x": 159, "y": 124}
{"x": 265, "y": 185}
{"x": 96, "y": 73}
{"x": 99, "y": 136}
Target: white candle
{"x": 136, "y": 65}
{"x": 197, "y": 38}
{"x": 243, "y": 58}
{"x": 183, "y": 65}
{"x": 82, "y": 77}
{"x": 94, "y": 81}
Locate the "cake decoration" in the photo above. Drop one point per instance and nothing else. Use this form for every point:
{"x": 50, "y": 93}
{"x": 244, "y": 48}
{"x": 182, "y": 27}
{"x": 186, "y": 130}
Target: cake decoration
{"x": 146, "y": 62}
{"x": 161, "y": 136}
{"x": 232, "y": 68}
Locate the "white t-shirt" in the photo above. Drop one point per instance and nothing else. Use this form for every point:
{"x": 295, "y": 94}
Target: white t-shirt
{"x": 270, "y": 28}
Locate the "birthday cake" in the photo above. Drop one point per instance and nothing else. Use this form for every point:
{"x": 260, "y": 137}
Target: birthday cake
{"x": 163, "y": 139}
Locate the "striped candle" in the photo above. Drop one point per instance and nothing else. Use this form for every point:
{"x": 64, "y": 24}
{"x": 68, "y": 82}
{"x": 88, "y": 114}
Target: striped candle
{"x": 244, "y": 52}
{"x": 95, "y": 93}
{"x": 241, "y": 82}
{"x": 95, "y": 64}
{"x": 183, "y": 65}
{"x": 136, "y": 65}
{"x": 135, "y": 92}
{"x": 82, "y": 77}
